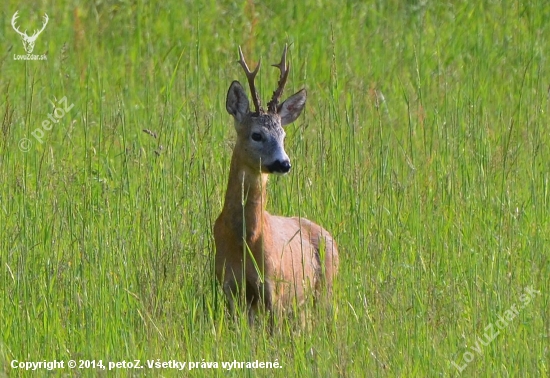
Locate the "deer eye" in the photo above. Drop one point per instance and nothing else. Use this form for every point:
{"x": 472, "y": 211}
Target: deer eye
{"x": 257, "y": 137}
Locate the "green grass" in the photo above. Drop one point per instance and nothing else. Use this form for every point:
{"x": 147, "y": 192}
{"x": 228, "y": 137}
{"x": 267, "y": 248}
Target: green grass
{"x": 424, "y": 149}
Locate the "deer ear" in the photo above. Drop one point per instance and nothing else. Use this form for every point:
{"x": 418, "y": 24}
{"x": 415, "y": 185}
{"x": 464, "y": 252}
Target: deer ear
{"x": 237, "y": 102}
{"x": 291, "y": 109}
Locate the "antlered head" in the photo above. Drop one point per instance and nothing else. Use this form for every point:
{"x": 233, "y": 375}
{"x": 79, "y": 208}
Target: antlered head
{"x": 260, "y": 134}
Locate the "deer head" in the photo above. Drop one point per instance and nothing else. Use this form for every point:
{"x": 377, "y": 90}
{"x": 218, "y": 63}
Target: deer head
{"x": 260, "y": 134}
{"x": 28, "y": 41}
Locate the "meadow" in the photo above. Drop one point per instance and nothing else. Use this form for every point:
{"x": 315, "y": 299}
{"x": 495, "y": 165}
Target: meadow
{"x": 424, "y": 149}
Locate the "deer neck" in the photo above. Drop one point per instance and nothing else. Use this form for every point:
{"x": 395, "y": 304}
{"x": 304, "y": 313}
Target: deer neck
{"x": 248, "y": 187}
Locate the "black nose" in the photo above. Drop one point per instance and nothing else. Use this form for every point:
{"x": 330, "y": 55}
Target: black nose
{"x": 279, "y": 166}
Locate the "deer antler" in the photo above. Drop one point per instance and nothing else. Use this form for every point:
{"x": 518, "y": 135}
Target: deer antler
{"x": 250, "y": 76}
{"x": 24, "y": 34}
{"x": 284, "y": 68}
{"x": 37, "y": 33}
{"x": 15, "y": 16}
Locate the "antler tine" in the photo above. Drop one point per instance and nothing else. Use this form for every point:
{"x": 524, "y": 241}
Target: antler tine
{"x": 285, "y": 69}
{"x": 44, "y": 23}
{"x": 250, "y": 76}
{"x": 13, "y": 19}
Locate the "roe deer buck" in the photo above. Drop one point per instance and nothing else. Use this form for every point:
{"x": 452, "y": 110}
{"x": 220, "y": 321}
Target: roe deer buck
{"x": 271, "y": 261}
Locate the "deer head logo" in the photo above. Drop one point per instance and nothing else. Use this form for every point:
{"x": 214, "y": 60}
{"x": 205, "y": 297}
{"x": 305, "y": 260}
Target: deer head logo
{"x": 28, "y": 41}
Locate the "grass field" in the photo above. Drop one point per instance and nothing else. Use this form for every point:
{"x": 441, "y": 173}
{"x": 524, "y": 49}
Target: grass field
{"x": 424, "y": 148}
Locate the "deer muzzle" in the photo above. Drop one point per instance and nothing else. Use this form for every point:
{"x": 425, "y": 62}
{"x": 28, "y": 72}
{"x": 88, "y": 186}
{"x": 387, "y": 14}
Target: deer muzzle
{"x": 279, "y": 166}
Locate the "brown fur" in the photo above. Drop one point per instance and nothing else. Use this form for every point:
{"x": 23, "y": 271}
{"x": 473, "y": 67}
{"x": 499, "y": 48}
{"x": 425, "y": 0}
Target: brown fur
{"x": 286, "y": 250}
